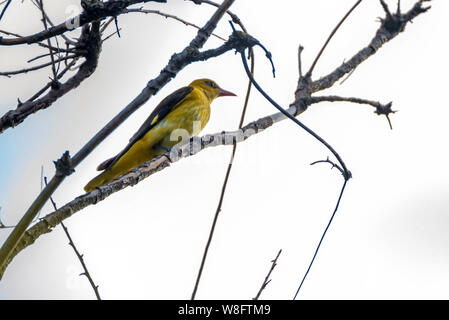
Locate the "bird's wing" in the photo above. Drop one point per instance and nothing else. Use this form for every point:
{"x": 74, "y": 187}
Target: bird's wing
{"x": 159, "y": 113}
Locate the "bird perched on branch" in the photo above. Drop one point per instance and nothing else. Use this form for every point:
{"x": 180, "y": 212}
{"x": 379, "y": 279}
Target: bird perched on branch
{"x": 183, "y": 113}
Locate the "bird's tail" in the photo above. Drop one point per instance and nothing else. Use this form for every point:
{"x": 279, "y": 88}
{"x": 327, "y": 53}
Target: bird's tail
{"x": 100, "y": 180}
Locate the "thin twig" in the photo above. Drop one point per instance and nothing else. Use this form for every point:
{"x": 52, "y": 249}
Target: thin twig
{"x": 111, "y": 35}
{"x": 331, "y": 36}
{"x": 228, "y": 171}
{"x": 334, "y": 165}
{"x": 390, "y": 27}
{"x": 42, "y": 186}
{"x": 79, "y": 256}
{"x": 10, "y": 73}
{"x": 381, "y": 109}
{"x": 49, "y": 84}
{"x": 166, "y": 15}
{"x": 40, "y": 5}
{"x": 158, "y": 164}
{"x": 2, "y": 225}
{"x": 321, "y": 239}
{"x": 117, "y": 29}
{"x": 108, "y": 9}
{"x": 223, "y": 190}
{"x": 67, "y": 40}
{"x": 4, "y": 9}
{"x": 106, "y": 24}
{"x": 267, "y": 279}
{"x": 347, "y": 173}
{"x": 300, "y": 49}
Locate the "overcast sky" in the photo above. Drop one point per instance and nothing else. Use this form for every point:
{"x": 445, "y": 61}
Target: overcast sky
{"x": 389, "y": 239}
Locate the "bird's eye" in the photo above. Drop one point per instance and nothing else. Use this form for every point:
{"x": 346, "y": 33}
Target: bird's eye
{"x": 212, "y": 84}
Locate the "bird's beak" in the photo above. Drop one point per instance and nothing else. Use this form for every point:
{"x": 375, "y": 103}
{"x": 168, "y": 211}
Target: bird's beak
{"x": 222, "y": 92}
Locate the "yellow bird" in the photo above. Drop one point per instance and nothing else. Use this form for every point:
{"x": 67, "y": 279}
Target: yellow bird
{"x": 187, "y": 108}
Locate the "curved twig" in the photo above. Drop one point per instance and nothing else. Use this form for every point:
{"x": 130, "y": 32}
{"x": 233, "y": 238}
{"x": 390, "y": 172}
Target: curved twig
{"x": 334, "y": 165}
{"x": 347, "y": 173}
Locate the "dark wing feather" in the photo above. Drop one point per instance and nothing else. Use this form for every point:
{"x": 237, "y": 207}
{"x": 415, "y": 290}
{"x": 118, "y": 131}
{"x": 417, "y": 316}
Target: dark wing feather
{"x": 162, "y": 109}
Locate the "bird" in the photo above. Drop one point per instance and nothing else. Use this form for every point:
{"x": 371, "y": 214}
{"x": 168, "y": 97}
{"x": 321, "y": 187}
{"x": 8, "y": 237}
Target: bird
{"x": 188, "y": 109}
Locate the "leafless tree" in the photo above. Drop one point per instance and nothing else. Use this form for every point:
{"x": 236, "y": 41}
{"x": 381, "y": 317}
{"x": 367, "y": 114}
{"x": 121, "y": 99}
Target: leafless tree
{"x": 73, "y": 60}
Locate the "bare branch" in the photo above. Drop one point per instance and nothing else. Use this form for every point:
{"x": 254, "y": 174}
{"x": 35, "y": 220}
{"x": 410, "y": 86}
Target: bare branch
{"x": 78, "y": 255}
{"x": 300, "y": 49}
{"x": 347, "y": 174}
{"x": 40, "y": 5}
{"x": 93, "y": 11}
{"x": 51, "y": 63}
{"x": 4, "y": 8}
{"x": 334, "y": 165}
{"x": 381, "y": 109}
{"x": 183, "y": 150}
{"x": 176, "y": 63}
{"x": 22, "y": 239}
{"x": 224, "y": 185}
{"x": 267, "y": 279}
{"x": 168, "y": 16}
{"x": 321, "y": 239}
{"x": 52, "y": 83}
{"x": 91, "y": 42}
{"x": 390, "y": 27}
{"x": 331, "y": 36}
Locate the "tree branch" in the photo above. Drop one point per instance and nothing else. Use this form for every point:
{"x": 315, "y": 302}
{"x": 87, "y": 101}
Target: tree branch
{"x": 267, "y": 279}
{"x": 168, "y": 16}
{"x": 8, "y": 2}
{"x": 225, "y": 182}
{"x": 78, "y": 255}
{"x": 381, "y": 109}
{"x": 51, "y": 63}
{"x": 389, "y": 28}
{"x": 90, "y": 41}
{"x": 177, "y": 63}
{"x": 330, "y": 37}
{"x": 93, "y": 11}
{"x": 183, "y": 150}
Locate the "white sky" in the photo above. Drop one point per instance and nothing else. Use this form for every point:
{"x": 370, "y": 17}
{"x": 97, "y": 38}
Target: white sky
{"x": 389, "y": 239}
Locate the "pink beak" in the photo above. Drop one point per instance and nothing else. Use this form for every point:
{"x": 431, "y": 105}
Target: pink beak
{"x": 222, "y": 92}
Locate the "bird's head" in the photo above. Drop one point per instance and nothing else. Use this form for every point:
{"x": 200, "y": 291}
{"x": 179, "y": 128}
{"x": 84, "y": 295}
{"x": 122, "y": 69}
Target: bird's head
{"x": 210, "y": 88}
